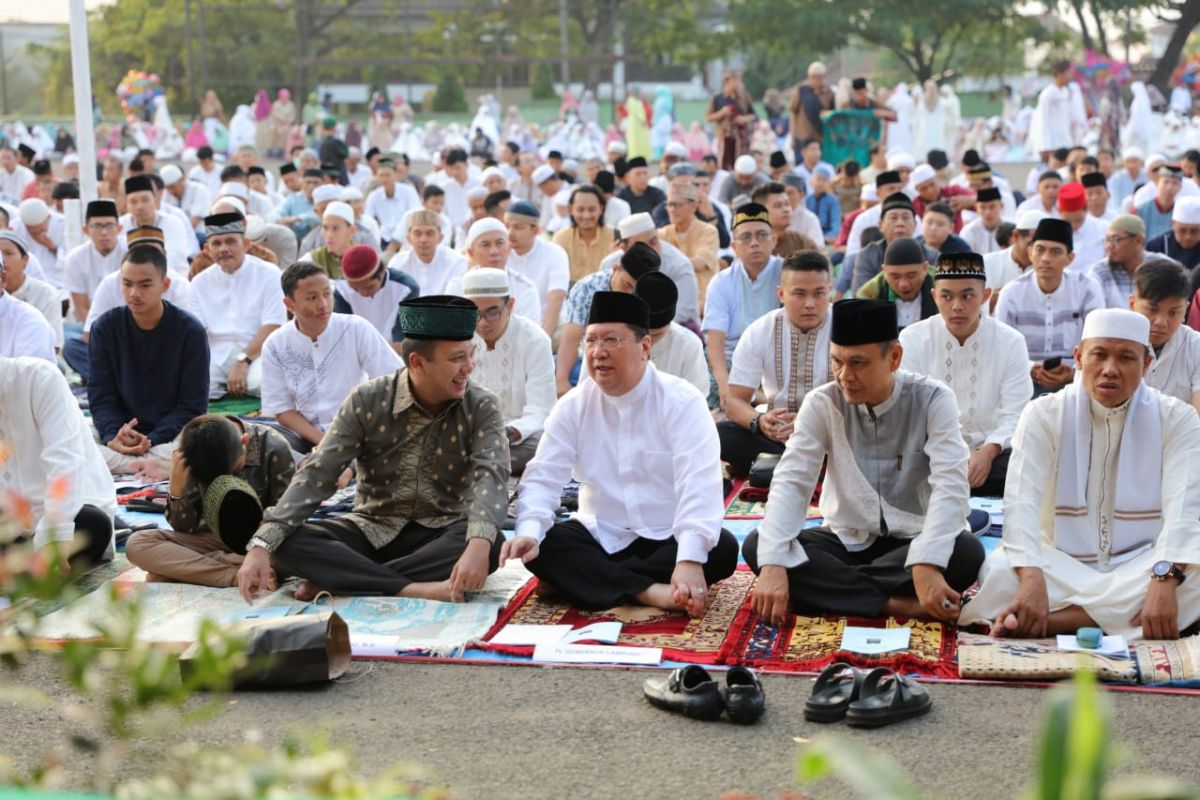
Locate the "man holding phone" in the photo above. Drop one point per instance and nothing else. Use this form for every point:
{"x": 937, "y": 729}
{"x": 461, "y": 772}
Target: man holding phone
{"x": 1048, "y": 305}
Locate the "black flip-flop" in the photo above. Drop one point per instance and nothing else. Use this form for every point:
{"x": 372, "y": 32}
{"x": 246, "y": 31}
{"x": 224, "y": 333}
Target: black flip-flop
{"x": 836, "y": 687}
{"x": 887, "y": 697}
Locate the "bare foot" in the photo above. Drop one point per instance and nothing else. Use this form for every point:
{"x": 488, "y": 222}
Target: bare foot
{"x": 155, "y": 578}
{"x": 307, "y": 591}
{"x": 904, "y": 607}
{"x": 438, "y": 590}
{"x": 658, "y": 595}
{"x": 546, "y": 591}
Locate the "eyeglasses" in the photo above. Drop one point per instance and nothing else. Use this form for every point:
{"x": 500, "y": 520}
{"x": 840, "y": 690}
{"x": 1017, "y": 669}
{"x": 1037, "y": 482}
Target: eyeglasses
{"x": 493, "y": 314}
{"x": 760, "y": 236}
{"x": 1116, "y": 240}
{"x": 103, "y": 227}
{"x": 607, "y": 342}
{"x": 679, "y": 203}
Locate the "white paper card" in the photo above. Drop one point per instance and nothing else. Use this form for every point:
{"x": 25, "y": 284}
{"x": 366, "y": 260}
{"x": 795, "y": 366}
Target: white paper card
{"x": 606, "y": 632}
{"x": 597, "y": 654}
{"x": 373, "y": 644}
{"x": 530, "y": 634}
{"x": 873, "y": 641}
{"x": 1112, "y": 646}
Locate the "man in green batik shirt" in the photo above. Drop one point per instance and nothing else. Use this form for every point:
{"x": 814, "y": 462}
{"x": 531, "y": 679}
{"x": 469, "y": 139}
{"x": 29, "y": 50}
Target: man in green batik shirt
{"x": 433, "y": 468}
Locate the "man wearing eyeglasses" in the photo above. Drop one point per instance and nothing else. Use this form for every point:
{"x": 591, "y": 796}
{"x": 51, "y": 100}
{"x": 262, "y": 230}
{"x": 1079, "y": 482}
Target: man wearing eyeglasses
{"x": 512, "y": 360}
{"x": 644, "y": 447}
{"x": 1125, "y": 251}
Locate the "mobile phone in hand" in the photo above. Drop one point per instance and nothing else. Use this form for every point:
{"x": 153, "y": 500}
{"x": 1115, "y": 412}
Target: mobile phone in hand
{"x": 1052, "y": 363}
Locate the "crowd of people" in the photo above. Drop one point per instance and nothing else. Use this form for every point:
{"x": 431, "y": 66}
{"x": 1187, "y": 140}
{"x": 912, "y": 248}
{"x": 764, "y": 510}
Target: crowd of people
{"x": 900, "y": 335}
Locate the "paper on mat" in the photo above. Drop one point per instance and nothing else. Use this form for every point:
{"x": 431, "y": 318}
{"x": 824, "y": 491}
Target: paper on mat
{"x": 1112, "y": 646}
{"x": 606, "y": 632}
{"x": 873, "y": 641}
{"x": 597, "y": 654}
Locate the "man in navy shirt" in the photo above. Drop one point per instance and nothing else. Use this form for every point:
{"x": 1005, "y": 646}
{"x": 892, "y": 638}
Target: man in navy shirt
{"x": 149, "y": 366}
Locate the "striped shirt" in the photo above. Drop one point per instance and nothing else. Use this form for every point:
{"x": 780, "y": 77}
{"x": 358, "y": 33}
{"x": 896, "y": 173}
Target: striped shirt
{"x": 1051, "y": 323}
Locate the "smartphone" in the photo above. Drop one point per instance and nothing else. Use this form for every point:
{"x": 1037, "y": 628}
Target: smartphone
{"x": 1052, "y": 363}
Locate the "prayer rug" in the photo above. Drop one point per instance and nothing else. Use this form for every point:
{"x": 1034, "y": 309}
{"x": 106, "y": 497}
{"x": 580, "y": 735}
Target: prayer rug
{"x": 1169, "y": 663}
{"x": 87, "y": 583}
{"x": 238, "y": 406}
{"x": 809, "y": 644}
{"x": 682, "y": 638}
{"x": 747, "y": 502}
{"x": 987, "y": 658}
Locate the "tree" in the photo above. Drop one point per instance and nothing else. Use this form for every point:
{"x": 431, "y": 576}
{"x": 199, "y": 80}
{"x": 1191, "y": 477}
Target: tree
{"x": 1188, "y": 19}
{"x": 542, "y": 87}
{"x": 927, "y": 38}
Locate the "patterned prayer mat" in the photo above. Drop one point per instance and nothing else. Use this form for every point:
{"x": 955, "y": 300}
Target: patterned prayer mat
{"x": 985, "y": 658}
{"x": 238, "y": 406}
{"x": 747, "y": 502}
{"x": 809, "y": 644}
{"x": 87, "y": 583}
{"x": 1170, "y": 663}
{"x": 696, "y": 641}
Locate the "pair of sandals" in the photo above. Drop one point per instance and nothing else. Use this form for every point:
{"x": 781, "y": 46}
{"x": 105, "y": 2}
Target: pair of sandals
{"x": 865, "y": 699}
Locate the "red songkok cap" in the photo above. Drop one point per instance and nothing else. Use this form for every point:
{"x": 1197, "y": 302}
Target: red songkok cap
{"x": 359, "y": 261}
{"x": 1071, "y": 197}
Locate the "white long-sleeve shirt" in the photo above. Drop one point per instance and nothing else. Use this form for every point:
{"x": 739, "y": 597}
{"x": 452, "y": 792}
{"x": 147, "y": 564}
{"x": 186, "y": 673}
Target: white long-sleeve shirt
{"x": 314, "y": 378}
{"x": 1051, "y": 323}
{"x": 85, "y": 267}
{"x": 1176, "y": 370}
{"x": 519, "y": 370}
{"x": 680, "y": 353}
{"x": 924, "y": 486}
{"x": 24, "y": 331}
{"x": 649, "y": 463}
{"x": 108, "y": 296}
{"x": 389, "y": 211}
{"x": 989, "y": 374}
{"x": 431, "y": 277}
{"x": 49, "y": 440}
{"x": 178, "y": 238}
{"x": 546, "y": 265}
{"x": 234, "y": 306}
{"x": 980, "y": 239}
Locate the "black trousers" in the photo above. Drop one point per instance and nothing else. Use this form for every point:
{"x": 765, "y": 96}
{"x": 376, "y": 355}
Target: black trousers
{"x": 334, "y": 554}
{"x": 739, "y": 447}
{"x": 573, "y": 562}
{"x": 93, "y": 542}
{"x": 837, "y": 581}
{"x": 994, "y": 485}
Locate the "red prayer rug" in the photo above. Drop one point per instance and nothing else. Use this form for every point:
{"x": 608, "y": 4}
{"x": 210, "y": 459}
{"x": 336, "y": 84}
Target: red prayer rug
{"x": 682, "y": 638}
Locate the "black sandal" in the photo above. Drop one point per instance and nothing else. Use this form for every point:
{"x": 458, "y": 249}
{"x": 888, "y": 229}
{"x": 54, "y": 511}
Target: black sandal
{"x": 887, "y": 697}
{"x": 836, "y": 687}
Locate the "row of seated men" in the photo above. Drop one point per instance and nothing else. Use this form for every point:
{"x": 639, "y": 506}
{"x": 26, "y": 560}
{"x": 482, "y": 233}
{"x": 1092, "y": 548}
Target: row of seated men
{"x": 432, "y": 452}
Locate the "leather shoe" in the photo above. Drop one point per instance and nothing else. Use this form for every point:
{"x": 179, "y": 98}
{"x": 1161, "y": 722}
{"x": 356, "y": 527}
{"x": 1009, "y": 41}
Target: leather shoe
{"x": 743, "y": 696}
{"x": 689, "y": 690}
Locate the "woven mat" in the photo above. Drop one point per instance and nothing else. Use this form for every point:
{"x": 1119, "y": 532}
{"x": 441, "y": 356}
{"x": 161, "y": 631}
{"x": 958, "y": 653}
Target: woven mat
{"x": 986, "y": 658}
{"x": 682, "y": 638}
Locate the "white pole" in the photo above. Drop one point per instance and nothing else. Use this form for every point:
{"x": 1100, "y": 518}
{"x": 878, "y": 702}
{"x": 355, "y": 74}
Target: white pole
{"x": 81, "y": 76}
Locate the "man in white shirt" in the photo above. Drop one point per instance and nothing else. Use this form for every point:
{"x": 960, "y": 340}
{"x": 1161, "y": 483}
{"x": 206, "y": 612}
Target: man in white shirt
{"x": 312, "y": 363}
{"x": 1125, "y": 251}
{"x": 374, "y": 292}
{"x": 488, "y": 246}
{"x": 786, "y": 352}
{"x": 13, "y": 176}
{"x": 1088, "y": 232}
{"x": 192, "y": 197}
{"x": 240, "y": 303}
{"x": 980, "y": 233}
{"x": 1004, "y": 266}
{"x": 207, "y": 172}
{"x": 23, "y": 329}
{"x": 390, "y": 200}
{"x": 1046, "y": 200}
{"x": 454, "y": 181}
{"x": 539, "y": 260}
{"x": 513, "y": 361}
{"x": 985, "y": 363}
{"x": 645, "y": 450}
{"x": 895, "y": 540}
{"x": 54, "y": 465}
{"x": 886, "y": 184}
{"x": 39, "y": 294}
{"x": 1048, "y": 305}
{"x": 143, "y": 210}
{"x": 86, "y": 265}
{"x": 1059, "y": 119}
{"x": 1102, "y": 517}
{"x": 1161, "y": 292}
{"x": 44, "y": 231}
{"x": 1095, "y": 187}
{"x": 430, "y": 262}
{"x": 675, "y": 265}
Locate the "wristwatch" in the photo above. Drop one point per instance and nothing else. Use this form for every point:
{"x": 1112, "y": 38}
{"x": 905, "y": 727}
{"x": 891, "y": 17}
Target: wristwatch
{"x": 244, "y": 357}
{"x": 1166, "y": 569}
{"x": 257, "y": 541}
{"x": 754, "y": 424}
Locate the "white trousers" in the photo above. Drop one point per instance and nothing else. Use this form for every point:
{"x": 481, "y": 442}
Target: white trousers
{"x": 218, "y": 377}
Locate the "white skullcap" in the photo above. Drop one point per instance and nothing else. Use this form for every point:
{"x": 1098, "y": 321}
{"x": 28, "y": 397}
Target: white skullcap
{"x": 562, "y": 197}
{"x": 256, "y": 227}
{"x": 571, "y": 165}
{"x": 233, "y": 202}
{"x": 34, "y": 211}
{"x": 816, "y": 68}
{"x": 477, "y": 193}
{"x": 901, "y": 161}
{"x": 870, "y": 193}
{"x": 636, "y": 223}
{"x": 491, "y": 172}
{"x": 171, "y": 175}
{"x": 1133, "y": 152}
{"x": 1117, "y": 323}
{"x": 542, "y": 174}
{"x": 340, "y": 210}
{"x": 485, "y": 282}
{"x": 350, "y": 193}
{"x": 675, "y": 149}
{"x": 1028, "y": 221}
{"x": 617, "y": 147}
{"x": 1187, "y": 210}
{"x": 354, "y": 151}
{"x": 486, "y": 225}
{"x": 238, "y": 190}
{"x": 922, "y": 174}
{"x": 745, "y": 165}
{"x": 1155, "y": 160}
{"x": 326, "y": 193}
{"x": 70, "y": 159}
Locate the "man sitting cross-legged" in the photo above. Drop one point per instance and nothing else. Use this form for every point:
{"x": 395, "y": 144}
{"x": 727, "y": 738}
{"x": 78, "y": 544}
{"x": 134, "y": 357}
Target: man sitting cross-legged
{"x": 432, "y": 470}
{"x": 894, "y": 496}
{"x": 1102, "y": 507}
{"x": 644, "y": 447}
{"x": 210, "y": 447}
